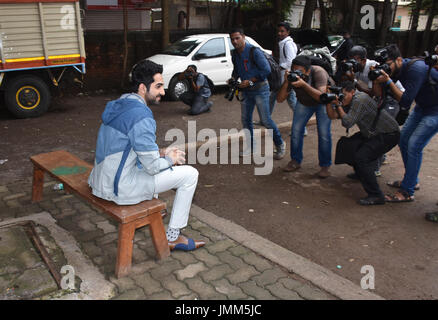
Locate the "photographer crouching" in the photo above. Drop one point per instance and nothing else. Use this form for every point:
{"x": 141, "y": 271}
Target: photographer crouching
{"x": 197, "y": 96}
{"x": 379, "y": 133}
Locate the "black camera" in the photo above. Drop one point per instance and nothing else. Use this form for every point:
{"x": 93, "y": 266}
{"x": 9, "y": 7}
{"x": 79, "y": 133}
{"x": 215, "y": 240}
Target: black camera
{"x": 351, "y": 64}
{"x": 430, "y": 60}
{"x": 335, "y": 93}
{"x": 381, "y": 55}
{"x": 293, "y": 76}
{"x": 234, "y": 86}
{"x": 377, "y": 72}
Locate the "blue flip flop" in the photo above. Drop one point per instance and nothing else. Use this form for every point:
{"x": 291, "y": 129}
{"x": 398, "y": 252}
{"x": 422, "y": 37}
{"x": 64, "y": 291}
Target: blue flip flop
{"x": 186, "y": 247}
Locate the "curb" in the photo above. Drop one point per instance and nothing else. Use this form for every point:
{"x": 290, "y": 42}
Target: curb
{"x": 319, "y": 276}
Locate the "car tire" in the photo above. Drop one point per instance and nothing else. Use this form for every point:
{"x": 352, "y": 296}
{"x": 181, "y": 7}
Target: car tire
{"x": 27, "y": 96}
{"x": 177, "y": 87}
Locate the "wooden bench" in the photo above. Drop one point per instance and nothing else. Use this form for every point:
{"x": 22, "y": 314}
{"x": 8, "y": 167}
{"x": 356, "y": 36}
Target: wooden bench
{"x": 73, "y": 173}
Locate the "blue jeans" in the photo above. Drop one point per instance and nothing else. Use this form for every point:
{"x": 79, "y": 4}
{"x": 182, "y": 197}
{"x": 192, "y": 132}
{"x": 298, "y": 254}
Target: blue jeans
{"x": 414, "y": 136}
{"x": 302, "y": 115}
{"x": 259, "y": 97}
{"x": 291, "y": 100}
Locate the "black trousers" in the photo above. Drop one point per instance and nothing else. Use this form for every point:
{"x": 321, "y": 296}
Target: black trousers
{"x": 366, "y": 157}
{"x": 198, "y": 103}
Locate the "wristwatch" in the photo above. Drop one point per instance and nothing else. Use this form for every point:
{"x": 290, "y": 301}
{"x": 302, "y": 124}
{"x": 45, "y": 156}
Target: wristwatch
{"x": 251, "y": 84}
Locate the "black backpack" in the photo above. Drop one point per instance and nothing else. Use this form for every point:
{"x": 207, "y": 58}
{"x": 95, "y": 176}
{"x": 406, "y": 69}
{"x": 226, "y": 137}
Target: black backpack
{"x": 274, "y": 78}
{"x": 210, "y": 83}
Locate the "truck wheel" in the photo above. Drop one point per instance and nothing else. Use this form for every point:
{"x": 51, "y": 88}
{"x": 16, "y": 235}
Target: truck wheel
{"x": 177, "y": 88}
{"x": 27, "y": 96}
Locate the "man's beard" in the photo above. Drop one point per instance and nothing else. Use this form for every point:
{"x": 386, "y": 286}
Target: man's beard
{"x": 396, "y": 73}
{"x": 153, "y": 102}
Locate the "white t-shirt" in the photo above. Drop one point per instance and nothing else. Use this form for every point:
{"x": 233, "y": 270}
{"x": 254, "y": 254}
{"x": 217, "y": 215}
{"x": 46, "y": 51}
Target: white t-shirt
{"x": 288, "y": 52}
{"x": 363, "y": 76}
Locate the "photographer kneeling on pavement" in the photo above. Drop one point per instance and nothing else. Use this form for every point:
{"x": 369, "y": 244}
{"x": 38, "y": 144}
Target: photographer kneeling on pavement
{"x": 309, "y": 82}
{"x": 419, "y": 78}
{"x": 200, "y": 91}
{"x": 379, "y": 133}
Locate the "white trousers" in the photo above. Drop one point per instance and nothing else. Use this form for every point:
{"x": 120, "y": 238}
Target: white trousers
{"x": 184, "y": 179}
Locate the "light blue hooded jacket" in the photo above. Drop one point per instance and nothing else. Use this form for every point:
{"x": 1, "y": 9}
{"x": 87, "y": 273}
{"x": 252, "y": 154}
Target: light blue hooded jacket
{"x": 127, "y": 156}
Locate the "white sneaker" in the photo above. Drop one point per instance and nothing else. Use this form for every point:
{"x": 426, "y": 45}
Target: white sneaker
{"x": 280, "y": 151}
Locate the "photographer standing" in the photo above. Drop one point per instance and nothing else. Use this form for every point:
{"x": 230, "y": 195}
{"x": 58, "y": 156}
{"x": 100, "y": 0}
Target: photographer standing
{"x": 418, "y": 79}
{"x": 197, "y": 97}
{"x": 379, "y": 133}
{"x": 255, "y": 89}
{"x": 309, "y": 82}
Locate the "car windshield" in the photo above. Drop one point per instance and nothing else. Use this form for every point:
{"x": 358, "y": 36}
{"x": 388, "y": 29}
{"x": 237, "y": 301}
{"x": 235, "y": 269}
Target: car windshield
{"x": 182, "y": 47}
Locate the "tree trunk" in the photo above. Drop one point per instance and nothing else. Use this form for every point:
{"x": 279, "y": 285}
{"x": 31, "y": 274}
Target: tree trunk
{"x": 209, "y": 15}
{"x": 188, "y": 14}
{"x": 386, "y": 22}
{"x": 426, "y": 45}
{"x": 125, "y": 42}
{"x": 277, "y": 12}
{"x": 412, "y": 50}
{"x": 308, "y": 14}
{"x": 355, "y": 9}
{"x": 165, "y": 23}
{"x": 323, "y": 20}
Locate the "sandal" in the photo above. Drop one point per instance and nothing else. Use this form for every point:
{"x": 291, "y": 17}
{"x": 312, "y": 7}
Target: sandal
{"x": 432, "y": 216}
{"x": 190, "y": 246}
{"x": 394, "y": 198}
{"x": 397, "y": 184}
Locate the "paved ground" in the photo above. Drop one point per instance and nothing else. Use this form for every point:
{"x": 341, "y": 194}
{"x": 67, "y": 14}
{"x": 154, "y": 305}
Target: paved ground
{"x": 223, "y": 269}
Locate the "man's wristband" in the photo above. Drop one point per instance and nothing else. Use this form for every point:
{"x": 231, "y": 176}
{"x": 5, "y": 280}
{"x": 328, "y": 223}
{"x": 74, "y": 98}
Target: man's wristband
{"x": 388, "y": 82}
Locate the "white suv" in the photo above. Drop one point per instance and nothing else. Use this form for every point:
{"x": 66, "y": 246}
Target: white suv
{"x": 210, "y": 53}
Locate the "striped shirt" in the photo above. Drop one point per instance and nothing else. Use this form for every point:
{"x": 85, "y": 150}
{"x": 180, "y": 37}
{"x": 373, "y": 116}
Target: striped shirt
{"x": 363, "y": 111}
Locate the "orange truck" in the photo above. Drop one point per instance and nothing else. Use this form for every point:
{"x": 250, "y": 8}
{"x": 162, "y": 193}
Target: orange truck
{"x": 39, "y": 42}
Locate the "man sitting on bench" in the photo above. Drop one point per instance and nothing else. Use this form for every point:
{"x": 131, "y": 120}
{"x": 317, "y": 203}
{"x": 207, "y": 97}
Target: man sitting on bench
{"x": 129, "y": 168}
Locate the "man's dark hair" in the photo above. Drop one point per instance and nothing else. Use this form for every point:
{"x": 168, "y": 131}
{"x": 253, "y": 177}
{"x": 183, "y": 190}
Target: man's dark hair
{"x": 393, "y": 51}
{"x": 284, "y": 25}
{"x": 193, "y": 67}
{"x": 345, "y": 32}
{"x": 143, "y": 72}
{"x": 348, "y": 85}
{"x": 303, "y": 61}
{"x": 237, "y": 29}
{"x": 358, "y": 51}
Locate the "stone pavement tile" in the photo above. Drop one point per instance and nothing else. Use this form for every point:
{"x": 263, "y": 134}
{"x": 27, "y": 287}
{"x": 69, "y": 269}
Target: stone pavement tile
{"x": 278, "y": 290}
{"x": 86, "y": 225}
{"x": 135, "y": 294}
{"x": 161, "y": 272}
{"x": 216, "y": 273}
{"x": 4, "y": 189}
{"x": 176, "y": 287}
{"x": 220, "y": 246}
{"x": 12, "y": 203}
{"x": 209, "y": 259}
{"x": 107, "y": 238}
{"x": 269, "y": 276}
{"x": 212, "y": 234}
{"x": 142, "y": 267}
{"x": 190, "y": 271}
{"x": 149, "y": 285}
{"x": 91, "y": 249}
{"x": 311, "y": 293}
{"x": 99, "y": 218}
{"x": 65, "y": 213}
{"x": 123, "y": 284}
{"x": 192, "y": 296}
{"x": 290, "y": 283}
{"x": 47, "y": 205}
{"x": 81, "y": 236}
{"x": 139, "y": 255}
{"x": 239, "y": 250}
{"x": 14, "y": 196}
{"x": 253, "y": 290}
{"x": 204, "y": 290}
{"x": 7, "y": 213}
{"x": 104, "y": 225}
{"x": 184, "y": 257}
{"x": 234, "y": 262}
{"x": 242, "y": 275}
{"x": 196, "y": 224}
{"x": 231, "y": 291}
{"x": 258, "y": 262}
{"x": 161, "y": 296}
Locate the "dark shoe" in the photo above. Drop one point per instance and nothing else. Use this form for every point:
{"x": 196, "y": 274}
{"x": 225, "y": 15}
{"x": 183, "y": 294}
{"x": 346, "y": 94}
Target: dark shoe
{"x": 369, "y": 201}
{"x": 400, "y": 196}
{"x": 324, "y": 173}
{"x": 432, "y": 216}
{"x": 397, "y": 183}
{"x": 292, "y": 166}
{"x": 353, "y": 176}
{"x": 185, "y": 244}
